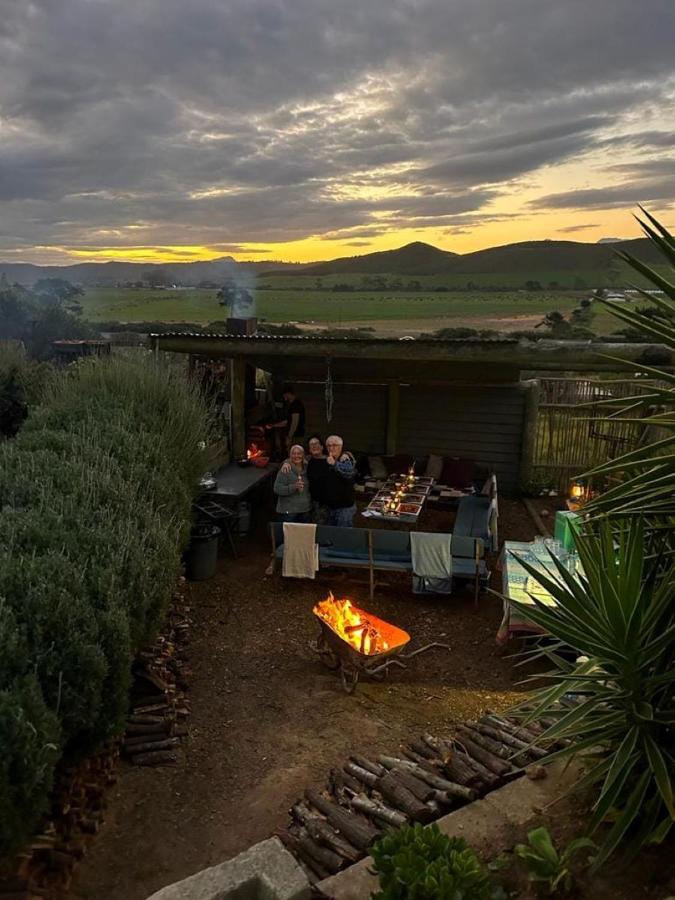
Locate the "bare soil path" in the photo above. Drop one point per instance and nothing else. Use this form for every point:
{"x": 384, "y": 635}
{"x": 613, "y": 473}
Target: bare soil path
{"x": 268, "y": 720}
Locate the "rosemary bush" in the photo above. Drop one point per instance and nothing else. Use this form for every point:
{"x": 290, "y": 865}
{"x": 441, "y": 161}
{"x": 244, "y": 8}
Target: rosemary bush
{"x": 22, "y": 381}
{"x": 95, "y": 496}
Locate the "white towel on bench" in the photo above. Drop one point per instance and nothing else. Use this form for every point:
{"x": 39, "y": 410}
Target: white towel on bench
{"x": 431, "y": 556}
{"x": 301, "y": 551}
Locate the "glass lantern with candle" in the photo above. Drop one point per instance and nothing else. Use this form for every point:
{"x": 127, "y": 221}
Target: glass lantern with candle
{"x": 578, "y": 493}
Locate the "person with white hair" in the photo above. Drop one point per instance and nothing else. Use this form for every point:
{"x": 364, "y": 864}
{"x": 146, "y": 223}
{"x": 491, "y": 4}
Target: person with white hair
{"x": 339, "y": 487}
{"x": 294, "y": 503}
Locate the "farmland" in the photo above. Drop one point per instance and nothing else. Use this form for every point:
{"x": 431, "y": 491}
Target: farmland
{"x": 427, "y": 310}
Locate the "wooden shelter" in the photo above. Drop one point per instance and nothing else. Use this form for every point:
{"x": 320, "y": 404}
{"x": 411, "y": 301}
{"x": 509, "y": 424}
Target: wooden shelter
{"x": 385, "y": 396}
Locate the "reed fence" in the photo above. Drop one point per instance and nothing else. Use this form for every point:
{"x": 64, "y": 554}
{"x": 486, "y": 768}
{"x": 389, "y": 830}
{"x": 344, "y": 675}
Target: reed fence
{"x": 575, "y": 432}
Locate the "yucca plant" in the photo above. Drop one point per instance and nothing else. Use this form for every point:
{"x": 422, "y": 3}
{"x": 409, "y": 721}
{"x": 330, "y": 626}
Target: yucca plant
{"x": 647, "y": 486}
{"x": 620, "y": 618}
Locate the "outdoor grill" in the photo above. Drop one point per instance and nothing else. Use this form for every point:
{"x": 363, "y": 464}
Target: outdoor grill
{"x": 354, "y": 642}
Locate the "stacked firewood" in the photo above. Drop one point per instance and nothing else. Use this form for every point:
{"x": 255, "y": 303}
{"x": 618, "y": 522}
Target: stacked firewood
{"x": 159, "y": 706}
{"x": 45, "y": 867}
{"x": 427, "y": 778}
{"x": 158, "y": 719}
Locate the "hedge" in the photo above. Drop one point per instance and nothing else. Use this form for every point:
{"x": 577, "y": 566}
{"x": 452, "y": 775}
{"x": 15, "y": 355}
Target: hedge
{"x": 95, "y": 502}
{"x": 22, "y": 383}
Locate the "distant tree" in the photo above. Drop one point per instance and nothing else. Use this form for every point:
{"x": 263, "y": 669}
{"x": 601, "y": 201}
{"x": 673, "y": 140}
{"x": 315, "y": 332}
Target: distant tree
{"x": 580, "y": 284}
{"x": 554, "y": 285}
{"x": 533, "y": 286}
{"x": 38, "y": 319}
{"x": 59, "y": 292}
{"x": 583, "y": 313}
{"x": 413, "y": 285}
{"x": 15, "y": 313}
{"x": 54, "y": 323}
{"x": 318, "y": 284}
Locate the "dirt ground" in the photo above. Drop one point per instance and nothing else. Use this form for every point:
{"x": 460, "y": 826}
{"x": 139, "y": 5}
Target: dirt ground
{"x": 269, "y": 721}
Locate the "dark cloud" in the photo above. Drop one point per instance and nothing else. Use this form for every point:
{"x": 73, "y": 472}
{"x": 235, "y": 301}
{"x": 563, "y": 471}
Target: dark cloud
{"x": 157, "y": 123}
{"x": 570, "y": 229}
{"x": 624, "y": 195}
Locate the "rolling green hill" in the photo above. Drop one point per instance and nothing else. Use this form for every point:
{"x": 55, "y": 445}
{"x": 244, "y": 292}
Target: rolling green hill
{"x": 522, "y": 259}
{"x": 550, "y": 264}
{"x": 417, "y": 258}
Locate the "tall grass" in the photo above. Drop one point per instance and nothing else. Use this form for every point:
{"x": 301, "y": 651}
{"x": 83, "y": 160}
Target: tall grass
{"x": 95, "y": 493}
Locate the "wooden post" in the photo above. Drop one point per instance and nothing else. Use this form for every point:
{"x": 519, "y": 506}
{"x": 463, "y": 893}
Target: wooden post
{"x": 238, "y": 406}
{"x": 393, "y": 405}
{"x": 530, "y": 390}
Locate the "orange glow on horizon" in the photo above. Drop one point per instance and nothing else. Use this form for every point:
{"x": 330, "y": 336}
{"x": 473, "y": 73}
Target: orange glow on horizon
{"x": 457, "y": 239}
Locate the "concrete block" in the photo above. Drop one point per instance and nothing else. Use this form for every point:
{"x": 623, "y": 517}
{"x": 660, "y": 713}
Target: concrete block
{"x": 355, "y": 883}
{"x": 266, "y": 871}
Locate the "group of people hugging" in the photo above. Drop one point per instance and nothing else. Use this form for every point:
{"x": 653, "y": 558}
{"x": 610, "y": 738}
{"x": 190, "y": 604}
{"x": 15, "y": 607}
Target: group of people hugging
{"x": 317, "y": 485}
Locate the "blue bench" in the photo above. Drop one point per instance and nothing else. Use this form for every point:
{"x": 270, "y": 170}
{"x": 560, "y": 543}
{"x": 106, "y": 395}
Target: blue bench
{"x": 477, "y": 518}
{"x": 385, "y": 551}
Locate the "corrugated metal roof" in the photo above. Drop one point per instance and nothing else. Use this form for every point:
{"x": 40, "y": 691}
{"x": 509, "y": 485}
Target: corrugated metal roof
{"x": 314, "y": 338}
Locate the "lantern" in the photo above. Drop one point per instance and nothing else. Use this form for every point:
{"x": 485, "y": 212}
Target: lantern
{"x": 578, "y": 491}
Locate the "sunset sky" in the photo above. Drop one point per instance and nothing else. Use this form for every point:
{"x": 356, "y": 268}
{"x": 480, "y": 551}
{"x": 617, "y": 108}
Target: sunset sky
{"x": 308, "y": 129}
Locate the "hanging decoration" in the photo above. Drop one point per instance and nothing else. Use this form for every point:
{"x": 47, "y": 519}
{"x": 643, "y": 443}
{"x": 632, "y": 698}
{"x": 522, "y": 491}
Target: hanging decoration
{"x": 329, "y": 391}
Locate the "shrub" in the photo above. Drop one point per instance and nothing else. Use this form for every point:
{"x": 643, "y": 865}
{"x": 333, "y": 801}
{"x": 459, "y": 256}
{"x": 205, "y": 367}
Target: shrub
{"x": 22, "y": 382}
{"x": 96, "y": 493}
{"x": 619, "y": 615}
{"x": 545, "y": 863}
{"x": 416, "y": 863}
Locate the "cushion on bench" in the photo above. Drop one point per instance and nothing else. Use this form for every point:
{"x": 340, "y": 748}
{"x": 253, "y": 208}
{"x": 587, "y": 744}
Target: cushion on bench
{"x": 473, "y": 516}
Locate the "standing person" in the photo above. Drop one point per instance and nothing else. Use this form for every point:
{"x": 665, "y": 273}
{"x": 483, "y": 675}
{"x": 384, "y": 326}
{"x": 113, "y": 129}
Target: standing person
{"x": 340, "y": 483}
{"x": 292, "y": 425}
{"x": 317, "y": 475}
{"x": 294, "y": 502}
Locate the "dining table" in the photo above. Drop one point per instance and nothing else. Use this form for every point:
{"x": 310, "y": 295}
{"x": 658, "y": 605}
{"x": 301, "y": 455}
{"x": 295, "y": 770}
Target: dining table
{"x": 401, "y": 499}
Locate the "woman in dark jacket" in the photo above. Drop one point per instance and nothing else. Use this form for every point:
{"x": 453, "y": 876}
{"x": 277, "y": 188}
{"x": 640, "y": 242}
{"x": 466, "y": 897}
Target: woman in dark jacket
{"x": 317, "y": 475}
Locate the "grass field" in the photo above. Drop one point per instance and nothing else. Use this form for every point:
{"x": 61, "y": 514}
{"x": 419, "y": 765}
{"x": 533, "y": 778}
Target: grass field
{"x": 428, "y": 310}
{"x": 553, "y": 279}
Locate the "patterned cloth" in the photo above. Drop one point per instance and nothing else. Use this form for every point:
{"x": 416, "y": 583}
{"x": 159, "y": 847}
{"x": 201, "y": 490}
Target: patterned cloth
{"x": 517, "y": 584}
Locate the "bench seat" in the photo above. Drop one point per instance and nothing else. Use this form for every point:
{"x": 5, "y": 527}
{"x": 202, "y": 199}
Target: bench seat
{"x": 386, "y": 551}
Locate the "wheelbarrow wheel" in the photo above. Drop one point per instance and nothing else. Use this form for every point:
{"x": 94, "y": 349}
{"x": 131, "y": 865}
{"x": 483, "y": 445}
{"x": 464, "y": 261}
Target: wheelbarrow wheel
{"x": 328, "y": 658}
{"x": 349, "y": 677}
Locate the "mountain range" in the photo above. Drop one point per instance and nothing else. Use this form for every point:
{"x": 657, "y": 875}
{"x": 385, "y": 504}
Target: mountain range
{"x": 417, "y": 258}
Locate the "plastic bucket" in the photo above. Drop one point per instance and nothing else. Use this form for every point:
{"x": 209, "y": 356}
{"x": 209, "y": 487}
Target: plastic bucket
{"x": 201, "y": 557}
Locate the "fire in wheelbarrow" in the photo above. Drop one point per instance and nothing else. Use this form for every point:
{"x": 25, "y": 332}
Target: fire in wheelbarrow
{"x": 354, "y": 641}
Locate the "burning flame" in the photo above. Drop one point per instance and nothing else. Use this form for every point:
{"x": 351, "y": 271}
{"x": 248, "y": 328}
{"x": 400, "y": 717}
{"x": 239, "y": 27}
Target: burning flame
{"x": 351, "y": 624}
{"x": 253, "y": 452}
